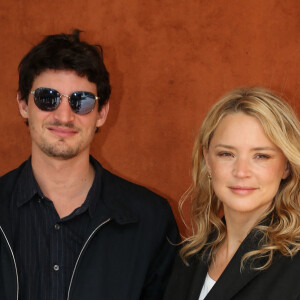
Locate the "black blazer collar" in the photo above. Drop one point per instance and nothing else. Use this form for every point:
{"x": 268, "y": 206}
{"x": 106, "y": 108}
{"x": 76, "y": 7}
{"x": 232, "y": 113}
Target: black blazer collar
{"x": 233, "y": 279}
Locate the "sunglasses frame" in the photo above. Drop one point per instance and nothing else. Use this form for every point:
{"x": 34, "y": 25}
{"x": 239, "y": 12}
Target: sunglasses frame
{"x": 63, "y": 95}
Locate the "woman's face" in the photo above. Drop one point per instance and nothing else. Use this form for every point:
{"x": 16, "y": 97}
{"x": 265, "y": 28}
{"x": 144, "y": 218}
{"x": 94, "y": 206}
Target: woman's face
{"x": 246, "y": 167}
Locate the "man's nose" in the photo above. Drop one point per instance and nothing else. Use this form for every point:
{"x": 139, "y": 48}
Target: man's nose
{"x": 64, "y": 113}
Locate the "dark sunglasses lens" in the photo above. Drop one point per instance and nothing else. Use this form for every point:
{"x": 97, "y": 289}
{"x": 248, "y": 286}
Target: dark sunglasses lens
{"x": 82, "y": 103}
{"x": 46, "y": 99}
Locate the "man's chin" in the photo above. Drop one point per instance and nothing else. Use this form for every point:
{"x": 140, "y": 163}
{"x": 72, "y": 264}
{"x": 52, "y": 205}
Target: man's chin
{"x": 62, "y": 154}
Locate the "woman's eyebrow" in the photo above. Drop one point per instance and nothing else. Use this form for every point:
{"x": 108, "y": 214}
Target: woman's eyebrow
{"x": 260, "y": 148}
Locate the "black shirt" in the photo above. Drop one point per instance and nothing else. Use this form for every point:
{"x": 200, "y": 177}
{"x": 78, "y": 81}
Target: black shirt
{"x": 46, "y": 247}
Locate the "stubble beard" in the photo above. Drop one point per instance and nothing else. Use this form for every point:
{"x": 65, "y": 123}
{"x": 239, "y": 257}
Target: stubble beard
{"x": 59, "y": 150}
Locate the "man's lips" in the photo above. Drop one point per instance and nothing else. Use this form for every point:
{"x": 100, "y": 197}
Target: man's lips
{"x": 242, "y": 190}
{"x": 62, "y": 131}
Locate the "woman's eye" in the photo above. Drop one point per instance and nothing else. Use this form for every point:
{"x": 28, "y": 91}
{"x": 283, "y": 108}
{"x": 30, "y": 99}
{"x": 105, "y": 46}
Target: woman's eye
{"x": 225, "y": 154}
{"x": 262, "y": 156}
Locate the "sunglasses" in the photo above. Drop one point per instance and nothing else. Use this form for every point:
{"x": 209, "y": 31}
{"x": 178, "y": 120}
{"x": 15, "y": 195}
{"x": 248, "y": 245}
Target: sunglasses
{"x": 81, "y": 102}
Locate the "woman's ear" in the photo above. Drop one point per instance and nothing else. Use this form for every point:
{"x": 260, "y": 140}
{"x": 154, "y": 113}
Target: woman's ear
{"x": 205, "y": 154}
{"x": 286, "y": 171}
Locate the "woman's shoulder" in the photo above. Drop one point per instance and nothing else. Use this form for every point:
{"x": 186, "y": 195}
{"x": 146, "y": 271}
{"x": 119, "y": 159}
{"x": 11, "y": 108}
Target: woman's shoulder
{"x": 187, "y": 266}
{"x": 183, "y": 276}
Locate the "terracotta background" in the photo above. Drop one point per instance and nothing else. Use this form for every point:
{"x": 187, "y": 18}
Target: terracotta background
{"x": 169, "y": 60}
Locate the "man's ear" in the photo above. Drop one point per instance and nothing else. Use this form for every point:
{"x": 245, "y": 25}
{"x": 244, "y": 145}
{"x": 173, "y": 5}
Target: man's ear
{"x": 23, "y": 107}
{"x": 102, "y": 114}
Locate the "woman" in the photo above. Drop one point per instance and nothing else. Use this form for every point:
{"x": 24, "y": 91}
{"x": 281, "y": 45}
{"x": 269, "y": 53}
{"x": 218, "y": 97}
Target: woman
{"x": 245, "y": 203}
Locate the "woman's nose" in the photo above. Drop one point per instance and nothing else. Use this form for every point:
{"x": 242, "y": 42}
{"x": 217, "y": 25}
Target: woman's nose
{"x": 241, "y": 167}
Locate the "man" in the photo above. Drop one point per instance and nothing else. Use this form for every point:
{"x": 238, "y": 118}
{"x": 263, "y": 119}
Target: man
{"x": 69, "y": 228}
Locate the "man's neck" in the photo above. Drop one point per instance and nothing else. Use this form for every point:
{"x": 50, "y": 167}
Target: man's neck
{"x": 66, "y": 182}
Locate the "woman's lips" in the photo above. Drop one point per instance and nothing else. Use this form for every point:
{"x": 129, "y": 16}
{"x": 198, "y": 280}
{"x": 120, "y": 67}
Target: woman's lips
{"x": 242, "y": 190}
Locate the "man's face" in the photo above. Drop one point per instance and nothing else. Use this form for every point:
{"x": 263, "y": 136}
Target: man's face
{"x": 62, "y": 133}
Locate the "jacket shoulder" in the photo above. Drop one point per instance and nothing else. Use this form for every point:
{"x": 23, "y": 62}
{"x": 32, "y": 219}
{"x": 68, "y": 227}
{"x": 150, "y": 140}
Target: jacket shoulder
{"x": 8, "y": 180}
{"x": 153, "y": 211}
{"x": 133, "y": 193}
{"x": 186, "y": 279}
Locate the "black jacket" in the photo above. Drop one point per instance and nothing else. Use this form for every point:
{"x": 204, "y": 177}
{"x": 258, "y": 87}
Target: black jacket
{"x": 281, "y": 281}
{"x": 127, "y": 254}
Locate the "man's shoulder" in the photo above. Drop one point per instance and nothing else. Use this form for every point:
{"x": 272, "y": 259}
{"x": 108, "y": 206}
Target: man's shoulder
{"x": 129, "y": 188}
{"x": 8, "y": 180}
{"x": 134, "y": 195}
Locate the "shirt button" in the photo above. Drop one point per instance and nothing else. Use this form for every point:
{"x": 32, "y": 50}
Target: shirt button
{"x": 56, "y": 226}
{"x": 56, "y": 267}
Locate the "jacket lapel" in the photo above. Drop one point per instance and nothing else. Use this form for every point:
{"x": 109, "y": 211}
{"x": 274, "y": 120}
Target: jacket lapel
{"x": 233, "y": 279}
{"x": 197, "y": 281}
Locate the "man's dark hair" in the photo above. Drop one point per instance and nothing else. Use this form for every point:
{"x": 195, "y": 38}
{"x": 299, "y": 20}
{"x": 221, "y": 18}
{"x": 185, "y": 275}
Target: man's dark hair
{"x": 65, "y": 52}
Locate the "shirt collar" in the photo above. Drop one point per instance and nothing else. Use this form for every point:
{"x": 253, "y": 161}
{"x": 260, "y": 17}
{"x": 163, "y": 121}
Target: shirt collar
{"x": 27, "y": 187}
{"x": 94, "y": 193}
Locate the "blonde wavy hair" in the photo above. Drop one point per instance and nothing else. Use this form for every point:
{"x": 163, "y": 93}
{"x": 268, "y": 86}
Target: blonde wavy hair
{"x": 283, "y": 128}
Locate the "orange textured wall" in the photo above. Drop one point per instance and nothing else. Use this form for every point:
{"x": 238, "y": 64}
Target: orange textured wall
{"x": 169, "y": 60}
